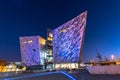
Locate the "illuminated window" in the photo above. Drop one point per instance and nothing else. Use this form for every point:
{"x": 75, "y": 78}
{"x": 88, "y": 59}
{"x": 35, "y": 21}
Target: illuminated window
{"x": 50, "y": 52}
{"x": 63, "y": 30}
{"x": 24, "y": 42}
{"x": 30, "y": 41}
{"x": 50, "y": 35}
{"x": 50, "y": 39}
{"x": 42, "y": 41}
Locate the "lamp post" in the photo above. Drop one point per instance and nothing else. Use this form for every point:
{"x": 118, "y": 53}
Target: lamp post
{"x": 112, "y": 57}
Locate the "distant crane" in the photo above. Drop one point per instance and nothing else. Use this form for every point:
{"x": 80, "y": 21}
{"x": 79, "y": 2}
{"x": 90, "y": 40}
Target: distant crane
{"x": 106, "y": 59}
{"x": 99, "y": 56}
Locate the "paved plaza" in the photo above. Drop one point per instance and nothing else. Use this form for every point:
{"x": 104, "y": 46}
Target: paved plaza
{"x": 69, "y": 75}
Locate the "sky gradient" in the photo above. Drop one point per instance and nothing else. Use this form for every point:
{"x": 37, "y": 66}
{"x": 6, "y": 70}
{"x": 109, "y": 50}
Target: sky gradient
{"x": 33, "y": 17}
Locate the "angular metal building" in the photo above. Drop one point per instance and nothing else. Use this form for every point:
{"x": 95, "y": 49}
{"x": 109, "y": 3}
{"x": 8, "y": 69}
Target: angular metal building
{"x": 32, "y": 50}
{"x": 68, "y": 42}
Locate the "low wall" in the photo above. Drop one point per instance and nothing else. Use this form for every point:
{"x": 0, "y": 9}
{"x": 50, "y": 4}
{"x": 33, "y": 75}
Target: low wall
{"x": 19, "y": 73}
{"x": 106, "y": 69}
{"x": 8, "y": 74}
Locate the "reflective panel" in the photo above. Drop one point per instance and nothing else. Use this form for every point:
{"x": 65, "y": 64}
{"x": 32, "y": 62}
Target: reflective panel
{"x": 67, "y": 40}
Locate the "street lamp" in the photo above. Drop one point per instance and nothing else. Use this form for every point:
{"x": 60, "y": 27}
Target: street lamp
{"x": 112, "y": 57}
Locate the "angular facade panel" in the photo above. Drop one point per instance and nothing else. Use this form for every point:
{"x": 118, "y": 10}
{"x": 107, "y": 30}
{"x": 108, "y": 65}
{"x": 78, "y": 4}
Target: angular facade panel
{"x": 68, "y": 39}
{"x": 32, "y": 50}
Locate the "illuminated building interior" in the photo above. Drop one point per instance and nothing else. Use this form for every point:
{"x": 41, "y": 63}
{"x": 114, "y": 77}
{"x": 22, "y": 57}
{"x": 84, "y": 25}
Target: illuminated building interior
{"x": 66, "y": 66}
{"x": 10, "y": 67}
{"x": 49, "y": 50}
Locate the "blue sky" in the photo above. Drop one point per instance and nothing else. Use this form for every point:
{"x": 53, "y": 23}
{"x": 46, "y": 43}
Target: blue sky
{"x": 33, "y": 17}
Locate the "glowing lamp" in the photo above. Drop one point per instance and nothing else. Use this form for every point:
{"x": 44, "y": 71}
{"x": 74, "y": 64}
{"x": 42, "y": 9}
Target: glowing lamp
{"x": 112, "y": 57}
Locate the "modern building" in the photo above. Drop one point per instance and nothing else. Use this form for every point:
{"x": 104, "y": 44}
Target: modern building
{"x": 49, "y": 50}
{"x": 61, "y": 49}
{"x": 68, "y": 42}
{"x": 32, "y": 50}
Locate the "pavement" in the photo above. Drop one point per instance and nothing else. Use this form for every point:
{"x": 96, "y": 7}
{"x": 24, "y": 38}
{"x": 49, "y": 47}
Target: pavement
{"x": 69, "y": 75}
{"x": 56, "y": 75}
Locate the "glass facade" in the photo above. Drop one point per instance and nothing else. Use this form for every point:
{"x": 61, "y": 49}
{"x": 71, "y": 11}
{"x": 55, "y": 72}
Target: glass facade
{"x": 49, "y": 50}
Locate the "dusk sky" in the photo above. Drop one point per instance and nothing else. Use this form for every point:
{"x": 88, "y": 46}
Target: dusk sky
{"x": 33, "y": 17}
